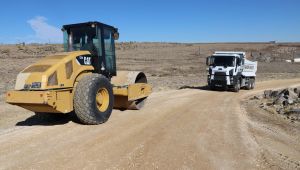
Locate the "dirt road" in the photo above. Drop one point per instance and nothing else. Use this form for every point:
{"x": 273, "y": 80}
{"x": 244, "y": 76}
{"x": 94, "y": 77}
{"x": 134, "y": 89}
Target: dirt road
{"x": 178, "y": 129}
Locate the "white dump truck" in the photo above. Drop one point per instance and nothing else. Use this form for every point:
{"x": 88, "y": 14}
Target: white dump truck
{"x": 230, "y": 70}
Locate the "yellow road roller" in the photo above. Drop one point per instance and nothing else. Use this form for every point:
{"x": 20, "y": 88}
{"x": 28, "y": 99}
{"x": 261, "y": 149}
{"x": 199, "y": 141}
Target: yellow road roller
{"x": 82, "y": 79}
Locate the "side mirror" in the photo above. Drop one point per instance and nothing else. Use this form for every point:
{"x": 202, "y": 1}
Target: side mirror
{"x": 238, "y": 61}
{"x": 209, "y": 61}
{"x": 116, "y": 35}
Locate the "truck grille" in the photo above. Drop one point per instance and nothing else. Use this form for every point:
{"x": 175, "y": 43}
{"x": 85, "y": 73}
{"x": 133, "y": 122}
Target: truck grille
{"x": 220, "y": 73}
{"x": 219, "y": 82}
{"x": 222, "y": 78}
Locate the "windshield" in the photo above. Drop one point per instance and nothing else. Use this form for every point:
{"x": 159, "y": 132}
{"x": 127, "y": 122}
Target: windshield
{"x": 82, "y": 38}
{"x": 227, "y": 61}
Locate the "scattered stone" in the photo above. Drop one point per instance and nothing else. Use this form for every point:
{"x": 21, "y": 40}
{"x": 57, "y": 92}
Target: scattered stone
{"x": 280, "y": 111}
{"x": 292, "y": 94}
{"x": 290, "y": 101}
{"x": 255, "y": 98}
{"x": 267, "y": 93}
{"x": 297, "y": 90}
{"x": 285, "y": 102}
{"x": 274, "y": 93}
{"x": 279, "y": 100}
{"x": 262, "y": 105}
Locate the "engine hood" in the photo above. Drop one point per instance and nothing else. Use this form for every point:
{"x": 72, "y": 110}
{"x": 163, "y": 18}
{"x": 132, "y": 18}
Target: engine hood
{"x": 52, "y": 72}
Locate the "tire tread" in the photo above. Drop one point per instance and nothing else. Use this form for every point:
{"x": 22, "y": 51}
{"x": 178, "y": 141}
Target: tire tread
{"x": 83, "y": 101}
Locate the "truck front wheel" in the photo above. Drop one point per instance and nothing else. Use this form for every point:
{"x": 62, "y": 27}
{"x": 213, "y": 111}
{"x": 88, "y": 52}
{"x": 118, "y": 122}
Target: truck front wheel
{"x": 237, "y": 86}
{"x": 211, "y": 87}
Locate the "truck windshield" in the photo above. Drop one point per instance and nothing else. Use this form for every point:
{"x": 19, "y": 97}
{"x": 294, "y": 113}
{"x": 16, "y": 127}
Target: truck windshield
{"x": 227, "y": 61}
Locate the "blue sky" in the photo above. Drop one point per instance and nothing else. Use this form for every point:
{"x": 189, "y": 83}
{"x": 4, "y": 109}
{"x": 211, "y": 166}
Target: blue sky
{"x": 155, "y": 20}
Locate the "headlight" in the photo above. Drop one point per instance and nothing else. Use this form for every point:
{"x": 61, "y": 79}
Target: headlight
{"x": 36, "y": 85}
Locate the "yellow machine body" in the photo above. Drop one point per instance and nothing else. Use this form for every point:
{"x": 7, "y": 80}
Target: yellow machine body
{"x": 48, "y": 85}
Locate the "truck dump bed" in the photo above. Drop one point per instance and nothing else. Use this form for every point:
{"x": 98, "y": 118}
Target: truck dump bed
{"x": 249, "y": 68}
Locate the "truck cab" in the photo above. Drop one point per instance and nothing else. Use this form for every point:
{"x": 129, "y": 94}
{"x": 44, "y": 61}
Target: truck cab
{"x": 230, "y": 70}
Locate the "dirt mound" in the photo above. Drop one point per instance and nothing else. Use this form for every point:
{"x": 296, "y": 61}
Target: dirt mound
{"x": 274, "y": 123}
{"x": 285, "y": 102}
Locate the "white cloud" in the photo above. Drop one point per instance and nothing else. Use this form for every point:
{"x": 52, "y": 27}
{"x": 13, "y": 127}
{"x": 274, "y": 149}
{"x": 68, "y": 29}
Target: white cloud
{"x": 44, "y": 33}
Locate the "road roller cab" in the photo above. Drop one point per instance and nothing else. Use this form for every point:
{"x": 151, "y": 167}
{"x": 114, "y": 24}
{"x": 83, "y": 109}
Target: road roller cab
{"x": 83, "y": 79}
{"x": 98, "y": 39}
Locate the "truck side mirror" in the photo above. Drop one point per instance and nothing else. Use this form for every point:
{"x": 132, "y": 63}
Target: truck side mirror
{"x": 238, "y": 61}
{"x": 209, "y": 60}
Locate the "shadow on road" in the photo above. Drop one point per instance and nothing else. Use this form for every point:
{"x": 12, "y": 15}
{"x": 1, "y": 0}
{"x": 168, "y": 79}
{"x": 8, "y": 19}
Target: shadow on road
{"x": 195, "y": 87}
{"x": 205, "y": 88}
{"x": 48, "y": 119}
